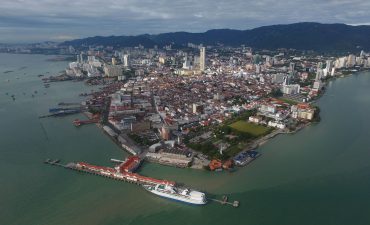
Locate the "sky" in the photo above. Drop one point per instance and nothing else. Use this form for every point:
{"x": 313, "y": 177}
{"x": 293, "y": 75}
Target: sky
{"x": 27, "y": 21}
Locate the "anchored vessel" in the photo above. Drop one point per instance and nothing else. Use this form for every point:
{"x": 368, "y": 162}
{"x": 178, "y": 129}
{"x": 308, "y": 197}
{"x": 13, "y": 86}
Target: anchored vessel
{"x": 178, "y": 194}
{"x": 125, "y": 172}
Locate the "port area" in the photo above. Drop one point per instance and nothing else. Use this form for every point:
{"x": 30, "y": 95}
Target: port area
{"x": 79, "y": 123}
{"x": 122, "y": 172}
{"x": 225, "y": 201}
{"x": 125, "y": 171}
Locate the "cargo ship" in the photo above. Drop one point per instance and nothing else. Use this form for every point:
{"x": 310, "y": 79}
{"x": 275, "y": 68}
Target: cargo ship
{"x": 178, "y": 194}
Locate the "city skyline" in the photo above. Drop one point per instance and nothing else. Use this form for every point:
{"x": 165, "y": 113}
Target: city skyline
{"x": 30, "y": 21}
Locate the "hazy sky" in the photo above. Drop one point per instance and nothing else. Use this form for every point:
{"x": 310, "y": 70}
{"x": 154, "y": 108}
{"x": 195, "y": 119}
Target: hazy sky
{"x": 57, "y": 20}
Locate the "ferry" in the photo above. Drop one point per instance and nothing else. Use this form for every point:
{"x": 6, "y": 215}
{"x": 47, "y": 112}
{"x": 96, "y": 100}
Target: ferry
{"x": 177, "y": 194}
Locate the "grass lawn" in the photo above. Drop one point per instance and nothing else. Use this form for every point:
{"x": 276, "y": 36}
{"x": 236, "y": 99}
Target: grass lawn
{"x": 233, "y": 150}
{"x": 251, "y": 128}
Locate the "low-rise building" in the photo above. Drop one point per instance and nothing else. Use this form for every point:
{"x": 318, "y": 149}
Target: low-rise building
{"x": 303, "y": 111}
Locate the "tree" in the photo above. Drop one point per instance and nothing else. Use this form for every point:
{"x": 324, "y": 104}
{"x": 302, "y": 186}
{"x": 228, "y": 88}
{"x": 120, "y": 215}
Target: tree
{"x": 276, "y": 92}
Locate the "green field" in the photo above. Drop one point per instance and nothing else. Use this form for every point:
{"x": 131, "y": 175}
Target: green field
{"x": 253, "y": 129}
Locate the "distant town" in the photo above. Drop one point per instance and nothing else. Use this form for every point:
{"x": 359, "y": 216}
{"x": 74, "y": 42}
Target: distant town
{"x": 204, "y": 107}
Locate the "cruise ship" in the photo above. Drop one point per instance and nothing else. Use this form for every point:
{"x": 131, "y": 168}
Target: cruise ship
{"x": 178, "y": 194}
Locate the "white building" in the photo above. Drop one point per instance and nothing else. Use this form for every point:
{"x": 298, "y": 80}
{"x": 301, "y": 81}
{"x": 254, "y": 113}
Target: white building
{"x": 254, "y": 119}
{"x": 278, "y": 78}
{"x": 329, "y": 66}
{"x": 276, "y": 124}
{"x": 126, "y": 60}
{"x": 317, "y": 85}
{"x": 186, "y": 64}
{"x": 202, "y": 59}
{"x": 302, "y": 111}
{"x": 112, "y": 71}
{"x": 351, "y": 61}
{"x": 291, "y": 89}
{"x": 341, "y": 62}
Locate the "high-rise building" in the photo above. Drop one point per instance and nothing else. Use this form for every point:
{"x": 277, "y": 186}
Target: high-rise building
{"x": 319, "y": 65}
{"x": 332, "y": 71}
{"x": 362, "y": 54}
{"x": 113, "y": 71}
{"x": 202, "y": 63}
{"x": 367, "y": 64}
{"x": 114, "y": 61}
{"x": 258, "y": 68}
{"x": 186, "y": 64}
{"x": 81, "y": 58}
{"x": 291, "y": 89}
{"x": 319, "y": 74}
{"x": 341, "y": 62}
{"x": 126, "y": 62}
{"x": 329, "y": 65}
{"x": 278, "y": 78}
{"x": 91, "y": 58}
{"x": 351, "y": 61}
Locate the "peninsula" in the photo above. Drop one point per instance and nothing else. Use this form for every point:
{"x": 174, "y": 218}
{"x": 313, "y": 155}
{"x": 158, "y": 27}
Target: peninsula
{"x": 204, "y": 107}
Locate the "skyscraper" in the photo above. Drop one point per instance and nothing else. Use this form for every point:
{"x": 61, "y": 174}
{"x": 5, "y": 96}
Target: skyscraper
{"x": 126, "y": 62}
{"x": 202, "y": 63}
{"x": 81, "y": 58}
{"x": 351, "y": 62}
{"x": 329, "y": 67}
{"x": 114, "y": 61}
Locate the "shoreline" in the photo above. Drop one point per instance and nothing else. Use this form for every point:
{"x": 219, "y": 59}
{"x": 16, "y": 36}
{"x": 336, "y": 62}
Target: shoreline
{"x": 253, "y": 145}
{"x": 263, "y": 140}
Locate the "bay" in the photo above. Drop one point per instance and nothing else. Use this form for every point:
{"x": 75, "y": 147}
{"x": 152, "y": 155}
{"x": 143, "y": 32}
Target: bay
{"x": 319, "y": 175}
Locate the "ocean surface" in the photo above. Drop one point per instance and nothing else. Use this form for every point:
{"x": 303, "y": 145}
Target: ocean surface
{"x": 318, "y": 176}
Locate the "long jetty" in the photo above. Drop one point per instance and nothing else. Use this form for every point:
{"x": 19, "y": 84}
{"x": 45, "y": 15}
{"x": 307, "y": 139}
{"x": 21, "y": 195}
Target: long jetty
{"x": 109, "y": 173}
{"x": 124, "y": 176}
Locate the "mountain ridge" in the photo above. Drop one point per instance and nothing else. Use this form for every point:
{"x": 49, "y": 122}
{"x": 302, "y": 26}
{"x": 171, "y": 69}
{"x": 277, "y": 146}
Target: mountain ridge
{"x": 301, "y": 36}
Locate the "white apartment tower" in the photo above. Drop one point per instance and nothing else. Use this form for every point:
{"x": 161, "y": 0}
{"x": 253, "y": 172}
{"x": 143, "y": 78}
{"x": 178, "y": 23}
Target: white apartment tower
{"x": 202, "y": 63}
{"x": 126, "y": 62}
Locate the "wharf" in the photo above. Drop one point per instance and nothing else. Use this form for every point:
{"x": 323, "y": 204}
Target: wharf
{"x": 124, "y": 176}
{"x": 69, "y": 103}
{"x": 79, "y": 123}
{"x": 109, "y": 173}
{"x": 62, "y": 113}
{"x": 224, "y": 201}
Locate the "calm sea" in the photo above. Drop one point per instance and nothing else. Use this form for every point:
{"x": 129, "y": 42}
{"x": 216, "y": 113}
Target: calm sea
{"x": 320, "y": 175}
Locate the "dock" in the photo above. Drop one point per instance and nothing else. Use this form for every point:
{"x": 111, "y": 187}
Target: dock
{"x": 111, "y": 173}
{"x": 68, "y": 103}
{"x": 224, "y": 201}
{"x": 61, "y": 113}
{"x": 79, "y": 123}
{"x": 124, "y": 172}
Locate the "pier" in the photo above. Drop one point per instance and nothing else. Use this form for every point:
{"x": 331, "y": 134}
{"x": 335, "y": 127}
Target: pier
{"x": 68, "y": 103}
{"x": 79, "y": 123}
{"x": 111, "y": 173}
{"x": 123, "y": 173}
{"x": 224, "y": 201}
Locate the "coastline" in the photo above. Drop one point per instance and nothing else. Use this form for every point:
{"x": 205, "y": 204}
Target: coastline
{"x": 261, "y": 141}
{"x": 253, "y": 145}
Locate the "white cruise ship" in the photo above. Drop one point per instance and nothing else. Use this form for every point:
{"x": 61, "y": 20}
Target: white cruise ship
{"x": 178, "y": 194}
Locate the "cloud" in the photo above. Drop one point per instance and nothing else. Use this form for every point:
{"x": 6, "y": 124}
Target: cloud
{"x": 37, "y": 20}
